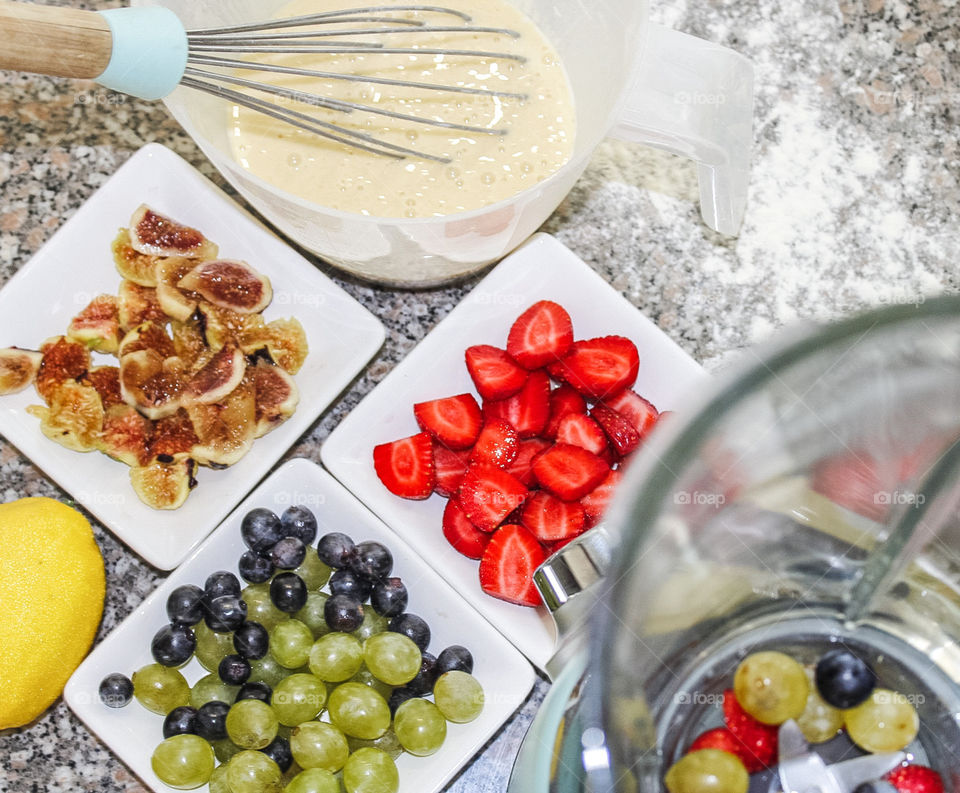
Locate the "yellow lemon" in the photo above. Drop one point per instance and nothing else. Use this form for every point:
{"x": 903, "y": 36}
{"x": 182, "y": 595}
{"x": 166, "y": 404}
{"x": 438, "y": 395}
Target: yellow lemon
{"x": 51, "y": 600}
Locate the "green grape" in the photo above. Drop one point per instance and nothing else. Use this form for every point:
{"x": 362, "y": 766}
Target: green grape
{"x": 267, "y": 670}
{"x": 311, "y": 614}
{"x": 251, "y": 724}
{"x": 253, "y": 772}
{"x": 298, "y": 698}
{"x": 819, "y": 721}
{"x": 224, "y": 749}
{"x": 290, "y": 643}
{"x": 707, "y": 771}
{"x": 886, "y": 722}
{"x": 372, "y": 623}
{"x": 160, "y": 688}
{"x": 368, "y": 678}
{"x": 183, "y": 761}
{"x": 387, "y": 743}
{"x": 316, "y": 744}
{"x": 359, "y": 710}
{"x": 313, "y": 572}
{"x": 218, "y": 779}
{"x": 370, "y": 771}
{"x": 211, "y": 646}
{"x": 392, "y": 657}
{"x": 459, "y": 696}
{"x": 313, "y": 780}
{"x": 420, "y": 727}
{"x": 336, "y": 657}
{"x": 260, "y": 607}
{"x": 771, "y": 687}
{"x": 210, "y": 688}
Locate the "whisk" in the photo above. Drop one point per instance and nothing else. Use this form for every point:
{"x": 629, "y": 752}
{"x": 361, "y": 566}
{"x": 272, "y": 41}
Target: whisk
{"x": 146, "y": 52}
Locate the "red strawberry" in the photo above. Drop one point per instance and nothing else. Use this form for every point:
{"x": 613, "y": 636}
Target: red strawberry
{"x": 508, "y": 564}
{"x": 497, "y": 444}
{"x": 759, "y": 740}
{"x": 721, "y": 738}
{"x": 550, "y": 519}
{"x": 564, "y": 400}
{"x": 488, "y": 494}
{"x": 553, "y": 547}
{"x": 522, "y": 466}
{"x": 580, "y": 430}
{"x": 623, "y": 437}
{"x": 450, "y": 466}
{"x": 601, "y": 367}
{"x": 541, "y": 334}
{"x": 406, "y": 466}
{"x": 528, "y": 409}
{"x": 454, "y": 421}
{"x": 461, "y": 533}
{"x": 915, "y": 779}
{"x": 569, "y": 472}
{"x": 853, "y": 480}
{"x": 595, "y": 502}
{"x": 495, "y": 374}
{"x": 557, "y": 371}
{"x": 635, "y": 409}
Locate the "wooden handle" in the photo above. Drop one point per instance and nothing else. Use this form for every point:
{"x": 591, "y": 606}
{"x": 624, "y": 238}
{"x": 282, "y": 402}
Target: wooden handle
{"x": 62, "y": 42}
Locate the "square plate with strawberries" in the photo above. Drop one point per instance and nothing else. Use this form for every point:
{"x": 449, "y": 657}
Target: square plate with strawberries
{"x": 525, "y": 450}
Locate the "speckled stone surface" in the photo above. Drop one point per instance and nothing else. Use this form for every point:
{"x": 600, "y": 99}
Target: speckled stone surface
{"x": 853, "y": 202}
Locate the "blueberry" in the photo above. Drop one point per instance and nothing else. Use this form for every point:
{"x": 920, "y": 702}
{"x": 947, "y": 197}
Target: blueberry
{"x": 413, "y": 627}
{"x": 255, "y": 689}
{"x": 180, "y": 721}
{"x": 251, "y": 640}
{"x": 288, "y": 592}
{"x": 426, "y": 677}
{"x": 454, "y": 658}
{"x": 261, "y": 530}
{"x": 185, "y": 605}
{"x": 173, "y": 645}
{"x": 343, "y": 613}
{"x": 233, "y": 670}
{"x": 212, "y": 720}
{"x": 288, "y": 553}
{"x": 336, "y": 550}
{"x": 226, "y": 614}
{"x": 844, "y": 680}
{"x": 347, "y": 582}
{"x": 299, "y": 522}
{"x": 219, "y": 584}
{"x": 116, "y": 690}
{"x": 389, "y": 597}
{"x": 254, "y": 568}
{"x": 372, "y": 560}
{"x": 398, "y": 697}
{"x": 278, "y": 750}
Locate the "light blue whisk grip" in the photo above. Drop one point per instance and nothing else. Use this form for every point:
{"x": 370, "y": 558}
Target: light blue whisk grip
{"x": 149, "y": 51}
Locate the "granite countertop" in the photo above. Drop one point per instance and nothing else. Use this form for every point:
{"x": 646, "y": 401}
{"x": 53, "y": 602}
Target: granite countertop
{"x": 853, "y": 202}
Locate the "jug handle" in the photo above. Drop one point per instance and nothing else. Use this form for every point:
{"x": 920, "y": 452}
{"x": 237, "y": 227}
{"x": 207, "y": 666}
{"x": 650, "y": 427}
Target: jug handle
{"x": 695, "y": 98}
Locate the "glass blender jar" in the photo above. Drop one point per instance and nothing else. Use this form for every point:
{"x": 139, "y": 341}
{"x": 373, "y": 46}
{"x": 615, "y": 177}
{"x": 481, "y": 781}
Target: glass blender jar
{"x": 807, "y": 503}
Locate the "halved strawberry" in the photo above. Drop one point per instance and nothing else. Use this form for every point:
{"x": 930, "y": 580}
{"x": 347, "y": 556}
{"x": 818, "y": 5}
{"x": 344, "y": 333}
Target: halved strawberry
{"x": 623, "y": 436}
{"x": 488, "y": 494}
{"x": 595, "y": 502}
{"x": 721, "y": 738}
{"x": 550, "y": 519}
{"x": 450, "y": 466}
{"x": 915, "y": 778}
{"x": 579, "y": 430}
{"x": 522, "y": 466}
{"x": 461, "y": 533}
{"x": 601, "y": 367}
{"x": 564, "y": 400}
{"x": 557, "y": 371}
{"x": 406, "y": 466}
{"x": 569, "y": 472}
{"x": 635, "y": 409}
{"x": 508, "y": 564}
{"x": 528, "y": 409}
{"x": 759, "y": 740}
{"x": 497, "y": 444}
{"x": 541, "y": 334}
{"x": 454, "y": 421}
{"x": 495, "y": 374}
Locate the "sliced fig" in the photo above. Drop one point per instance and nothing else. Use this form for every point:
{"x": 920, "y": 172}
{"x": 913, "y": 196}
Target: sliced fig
{"x": 137, "y": 304}
{"x": 173, "y": 438}
{"x": 276, "y": 396}
{"x": 155, "y": 234}
{"x": 126, "y": 435}
{"x": 229, "y": 284}
{"x": 171, "y": 269}
{"x": 74, "y": 417}
{"x": 131, "y": 263}
{"x": 63, "y": 360}
{"x": 215, "y": 331}
{"x": 106, "y": 381}
{"x": 18, "y": 369}
{"x": 225, "y": 429}
{"x": 189, "y": 344}
{"x": 148, "y": 336}
{"x": 287, "y": 344}
{"x": 174, "y": 303}
{"x": 164, "y": 485}
{"x": 149, "y": 385}
{"x": 98, "y": 325}
{"x": 215, "y": 380}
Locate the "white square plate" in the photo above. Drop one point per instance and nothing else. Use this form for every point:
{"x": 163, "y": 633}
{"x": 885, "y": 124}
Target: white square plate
{"x": 133, "y": 732}
{"x": 541, "y": 269}
{"x": 76, "y": 264}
